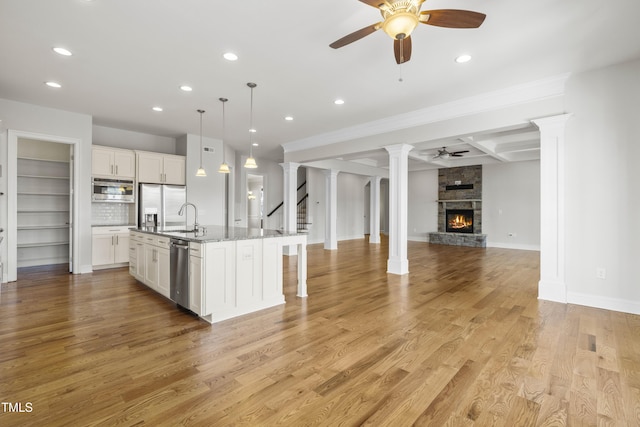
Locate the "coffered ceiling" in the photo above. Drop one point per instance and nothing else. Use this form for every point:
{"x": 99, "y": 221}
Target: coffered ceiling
{"x": 132, "y": 55}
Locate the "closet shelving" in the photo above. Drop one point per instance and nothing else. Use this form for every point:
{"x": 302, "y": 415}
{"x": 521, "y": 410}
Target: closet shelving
{"x": 43, "y": 211}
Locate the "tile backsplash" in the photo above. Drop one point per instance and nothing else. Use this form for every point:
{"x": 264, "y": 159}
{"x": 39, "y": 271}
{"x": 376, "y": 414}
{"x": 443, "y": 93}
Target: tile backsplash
{"x": 112, "y": 213}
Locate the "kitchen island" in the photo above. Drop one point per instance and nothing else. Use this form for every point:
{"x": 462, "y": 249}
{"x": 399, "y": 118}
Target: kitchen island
{"x": 232, "y": 270}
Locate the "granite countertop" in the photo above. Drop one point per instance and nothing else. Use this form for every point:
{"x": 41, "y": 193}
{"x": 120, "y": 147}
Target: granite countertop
{"x": 215, "y": 233}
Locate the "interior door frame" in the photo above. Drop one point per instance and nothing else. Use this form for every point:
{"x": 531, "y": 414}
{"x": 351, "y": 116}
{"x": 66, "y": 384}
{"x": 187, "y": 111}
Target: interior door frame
{"x": 12, "y": 200}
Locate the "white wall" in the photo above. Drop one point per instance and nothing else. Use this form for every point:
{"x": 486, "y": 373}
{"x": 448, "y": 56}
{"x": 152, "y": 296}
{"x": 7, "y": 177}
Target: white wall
{"x": 120, "y": 138}
{"x": 511, "y": 205}
{"x": 422, "y": 216}
{"x": 24, "y": 117}
{"x": 602, "y": 175}
{"x": 350, "y": 205}
{"x": 207, "y": 193}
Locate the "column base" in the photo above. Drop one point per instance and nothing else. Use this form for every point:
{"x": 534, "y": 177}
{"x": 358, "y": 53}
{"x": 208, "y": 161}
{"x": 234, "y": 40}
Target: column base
{"x": 398, "y": 266}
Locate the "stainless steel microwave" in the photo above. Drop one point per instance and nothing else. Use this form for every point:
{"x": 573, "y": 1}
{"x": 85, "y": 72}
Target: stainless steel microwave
{"x": 112, "y": 190}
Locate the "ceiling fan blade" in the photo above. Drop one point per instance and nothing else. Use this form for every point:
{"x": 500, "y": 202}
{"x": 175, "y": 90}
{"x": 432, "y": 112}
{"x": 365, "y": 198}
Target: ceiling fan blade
{"x": 458, "y": 153}
{"x": 452, "y": 18}
{"x": 355, "y": 36}
{"x": 402, "y": 49}
{"x": 374, "y": 3}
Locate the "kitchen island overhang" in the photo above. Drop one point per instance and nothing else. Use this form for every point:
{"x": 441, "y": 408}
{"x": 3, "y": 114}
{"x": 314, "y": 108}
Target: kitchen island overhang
{"x": 232, "y": 270}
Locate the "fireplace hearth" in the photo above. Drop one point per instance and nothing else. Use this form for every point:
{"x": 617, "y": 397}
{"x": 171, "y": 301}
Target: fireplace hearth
{"x": 459, "y": 221}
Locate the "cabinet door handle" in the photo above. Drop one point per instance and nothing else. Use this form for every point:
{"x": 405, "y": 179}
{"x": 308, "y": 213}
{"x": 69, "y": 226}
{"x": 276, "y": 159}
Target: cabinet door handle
{"x": 117, "y": 240}
{"x": 111, "y": 240}
{"x": 116, "y": 169}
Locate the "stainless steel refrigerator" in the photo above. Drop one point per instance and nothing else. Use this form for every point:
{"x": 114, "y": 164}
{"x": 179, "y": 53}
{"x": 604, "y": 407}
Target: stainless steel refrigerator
{"x": 163, "y": 200}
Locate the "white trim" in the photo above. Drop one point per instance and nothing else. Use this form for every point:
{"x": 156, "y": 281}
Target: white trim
{"x": 552, "y": 291}
{"x": 514, "y": 95}
{"x": 607, "y": 303}
{"x": 513, "y": 246}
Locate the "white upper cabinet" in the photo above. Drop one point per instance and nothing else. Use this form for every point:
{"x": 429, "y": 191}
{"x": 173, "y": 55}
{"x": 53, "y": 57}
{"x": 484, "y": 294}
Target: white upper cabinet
{"x": 160, "y": 168}
{"x": 113, "y": 162}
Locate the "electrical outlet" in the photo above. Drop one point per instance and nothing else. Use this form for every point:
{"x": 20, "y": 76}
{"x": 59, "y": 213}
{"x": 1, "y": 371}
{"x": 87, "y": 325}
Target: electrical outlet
{"x": 601, "y": 273}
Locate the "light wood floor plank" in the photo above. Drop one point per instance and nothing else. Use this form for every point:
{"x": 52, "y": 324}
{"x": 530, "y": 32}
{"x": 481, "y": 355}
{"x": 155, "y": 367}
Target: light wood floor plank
{"x": 462, "y": 340}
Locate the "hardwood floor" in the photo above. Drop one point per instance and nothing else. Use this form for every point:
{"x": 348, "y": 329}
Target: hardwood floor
{"x": 460, "y": 341}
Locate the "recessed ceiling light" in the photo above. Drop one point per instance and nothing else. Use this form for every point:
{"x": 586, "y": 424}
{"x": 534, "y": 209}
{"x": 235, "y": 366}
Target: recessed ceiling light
{"x": 288, "y": 118}
{"x": 62, "y": 51}
{"x": 253, "y": 130}
{"x": 230, "y": 56}
{"x": 338, "y": 102}
{"x": 463, "y": 58}
{"x": 53, "y": 85}
{"x": 255, "y": 144}
{"x": 158, "y": 109}
{"x": 186, "y": 88}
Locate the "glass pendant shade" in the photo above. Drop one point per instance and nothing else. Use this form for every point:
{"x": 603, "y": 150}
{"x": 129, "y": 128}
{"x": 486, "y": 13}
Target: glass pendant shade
{"x": 224, "y": 168}
{"x": 201, "y": 171}
{"x": 250, "y": 163}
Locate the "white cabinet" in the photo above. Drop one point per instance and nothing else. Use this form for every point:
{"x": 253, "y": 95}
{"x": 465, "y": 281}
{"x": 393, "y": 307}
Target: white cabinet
{"x": 160, "y": 168}
{"x": 136, "y": 255}
{"x": 113, "y": 162}
{"x": 196, "y": 277}
{"x": 151, "y": 255}
{"x": 110, "y": 246}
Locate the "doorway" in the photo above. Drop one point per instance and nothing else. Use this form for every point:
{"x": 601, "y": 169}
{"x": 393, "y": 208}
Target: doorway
{"x": 42, "y": 202}
{"x": 255, "y": 201}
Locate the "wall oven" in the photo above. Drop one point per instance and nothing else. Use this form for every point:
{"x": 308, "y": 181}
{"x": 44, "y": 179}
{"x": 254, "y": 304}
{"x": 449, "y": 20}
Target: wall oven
{"x": 112, "y": 190}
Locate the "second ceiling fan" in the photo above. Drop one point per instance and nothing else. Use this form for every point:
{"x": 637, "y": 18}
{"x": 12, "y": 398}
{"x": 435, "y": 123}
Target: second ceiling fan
{"x": 401, "y": 17}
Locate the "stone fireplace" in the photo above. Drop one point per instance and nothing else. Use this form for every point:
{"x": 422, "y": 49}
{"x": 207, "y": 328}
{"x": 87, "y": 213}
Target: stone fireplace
{"x": 460, "y": 207}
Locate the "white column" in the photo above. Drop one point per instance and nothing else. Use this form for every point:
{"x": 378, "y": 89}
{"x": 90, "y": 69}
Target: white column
{"x": 331, "y": 215}
{"x": 290, "y": 201}
{"x": 552, "y": 284}
{"x": 398, "y": 205}
{"x": 374, "y": 210}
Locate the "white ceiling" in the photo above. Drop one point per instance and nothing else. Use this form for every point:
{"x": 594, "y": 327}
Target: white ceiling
{"x": 130, "y": 55}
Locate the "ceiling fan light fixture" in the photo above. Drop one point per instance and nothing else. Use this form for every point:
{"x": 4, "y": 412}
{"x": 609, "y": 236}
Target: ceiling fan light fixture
{"x": 400, "y": 25}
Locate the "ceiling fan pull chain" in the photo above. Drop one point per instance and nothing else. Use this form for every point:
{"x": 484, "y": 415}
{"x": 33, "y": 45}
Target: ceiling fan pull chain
{"x": 400, "y": 79}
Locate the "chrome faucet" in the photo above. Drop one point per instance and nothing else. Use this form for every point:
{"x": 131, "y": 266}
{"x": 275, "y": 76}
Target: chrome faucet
{"x": 196, "y": 226}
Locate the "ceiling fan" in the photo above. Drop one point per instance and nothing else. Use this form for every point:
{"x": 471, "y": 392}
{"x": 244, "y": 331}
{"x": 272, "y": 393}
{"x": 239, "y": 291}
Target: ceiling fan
{"x": 444, "y": 154}
{"x": 401, "y": 17}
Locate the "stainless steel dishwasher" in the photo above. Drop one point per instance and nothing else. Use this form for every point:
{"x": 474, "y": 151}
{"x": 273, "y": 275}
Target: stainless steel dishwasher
{"x": 179, "y": 272}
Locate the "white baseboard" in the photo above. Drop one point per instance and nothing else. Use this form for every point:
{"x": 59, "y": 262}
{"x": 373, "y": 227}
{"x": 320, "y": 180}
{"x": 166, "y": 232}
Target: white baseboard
{"x": 607, "y": 303}
{"x": 419, "y": 238}
{"x": 519, "y": 246}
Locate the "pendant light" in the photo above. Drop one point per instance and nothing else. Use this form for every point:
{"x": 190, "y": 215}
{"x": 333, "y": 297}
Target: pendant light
{"x": 224, "y": 167}
{"x": 201, "y": 171}
{"x": 251, "y": 162}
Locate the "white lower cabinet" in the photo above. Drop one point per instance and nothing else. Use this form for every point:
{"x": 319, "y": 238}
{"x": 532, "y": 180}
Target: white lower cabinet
{"x": 109, "y": 246}
{"x": 150, "y": 255}
{"x": 196, "y": 277}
